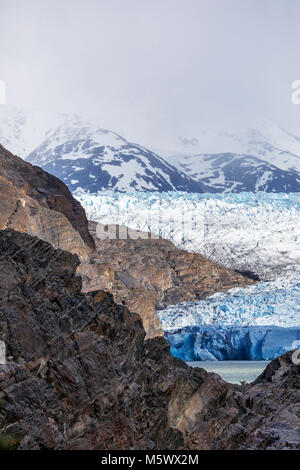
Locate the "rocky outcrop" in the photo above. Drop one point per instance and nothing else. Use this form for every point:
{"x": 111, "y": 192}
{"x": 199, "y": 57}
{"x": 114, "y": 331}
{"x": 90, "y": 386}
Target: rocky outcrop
{"x": 148, "y": 273}
{"x": 80, "y": 374}
{"x": 142, "y": 274}
{"x": 38, "y": 203}
{"x": 262, "y": 415}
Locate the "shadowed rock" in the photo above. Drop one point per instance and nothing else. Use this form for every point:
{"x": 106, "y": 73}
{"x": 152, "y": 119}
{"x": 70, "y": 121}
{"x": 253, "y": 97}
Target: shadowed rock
{"x": 38, "y": 203}
{"x": 80, "y": 375}
{"x": 147, "y": 273}
{"x": 141, "y": 274}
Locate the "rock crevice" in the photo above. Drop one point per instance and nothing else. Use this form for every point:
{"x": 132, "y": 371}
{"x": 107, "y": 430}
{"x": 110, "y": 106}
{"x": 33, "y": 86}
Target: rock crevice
{"x": 80, "y": 375}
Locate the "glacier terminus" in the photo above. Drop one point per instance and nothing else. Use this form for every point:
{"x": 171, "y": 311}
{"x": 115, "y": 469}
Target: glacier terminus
{"x": 257, "y": 234}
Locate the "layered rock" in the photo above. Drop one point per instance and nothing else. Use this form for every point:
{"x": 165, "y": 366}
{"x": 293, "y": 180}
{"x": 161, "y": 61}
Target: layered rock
{"x": 35, "y": 202}
{"x": 80, "y": 375}
{"x": 38, "y": 203}
{"x": 263, "y": 415}
{"x": 146, "y": 273}
{"x": 143, "y": 274}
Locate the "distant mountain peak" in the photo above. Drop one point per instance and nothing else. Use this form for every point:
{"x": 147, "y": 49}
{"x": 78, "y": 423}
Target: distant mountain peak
{"x": 247, "y": 155}
{"x": 230, "y": 172}
{"x": 88, "y": 157}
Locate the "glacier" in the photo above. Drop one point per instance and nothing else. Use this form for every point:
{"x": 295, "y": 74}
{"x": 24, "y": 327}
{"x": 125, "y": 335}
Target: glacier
{"x": 274, "y": 303}
{"x": 258, "y": 233}
{"x": 258, "y": 322}
{"x": 225, "y": 343}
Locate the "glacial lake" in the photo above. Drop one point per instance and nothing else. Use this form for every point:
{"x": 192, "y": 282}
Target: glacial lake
{"x": 233, "y": 371}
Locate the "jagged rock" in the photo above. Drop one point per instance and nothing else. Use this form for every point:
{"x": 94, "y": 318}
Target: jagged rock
{"x": 262, "y": 415}
{"x": 38, "y": 203}
{"x": 143, "y": 277}
{"x": 149, "y": 273}
{"x": 81, "y": 375}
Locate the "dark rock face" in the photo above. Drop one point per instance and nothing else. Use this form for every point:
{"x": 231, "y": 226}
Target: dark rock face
{"x": 38, "y": 203}
{"x": 148, "y": 273}
{"x": 79, "y": 374}
{"x": 262, "y": 415}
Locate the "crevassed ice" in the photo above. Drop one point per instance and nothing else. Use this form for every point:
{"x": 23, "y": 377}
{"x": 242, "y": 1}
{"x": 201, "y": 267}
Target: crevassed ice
{"x": 258, "y": 232}
{"x": 225, "y": 343}
{"x": 269, "y": 303}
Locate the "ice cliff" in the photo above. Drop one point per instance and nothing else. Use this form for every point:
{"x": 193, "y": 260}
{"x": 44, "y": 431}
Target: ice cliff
{"x": 258, "y": 232}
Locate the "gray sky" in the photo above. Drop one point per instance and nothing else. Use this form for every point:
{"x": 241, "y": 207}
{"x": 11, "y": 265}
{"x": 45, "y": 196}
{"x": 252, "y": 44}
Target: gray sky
{"x": 151, "y": 68}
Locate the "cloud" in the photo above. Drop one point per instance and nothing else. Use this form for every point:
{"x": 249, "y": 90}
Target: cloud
{"x": 153, "y": 69}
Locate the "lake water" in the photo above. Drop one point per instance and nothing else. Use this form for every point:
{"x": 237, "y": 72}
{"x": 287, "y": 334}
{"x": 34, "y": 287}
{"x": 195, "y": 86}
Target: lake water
{"x": 234, "y": 371}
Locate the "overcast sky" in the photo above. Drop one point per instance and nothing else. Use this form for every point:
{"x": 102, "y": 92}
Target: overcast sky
{"x": 150, "y": 68}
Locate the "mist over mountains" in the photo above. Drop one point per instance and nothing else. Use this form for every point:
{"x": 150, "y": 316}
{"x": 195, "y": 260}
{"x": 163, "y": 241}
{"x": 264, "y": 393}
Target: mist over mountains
{"x": 255, "y": 156}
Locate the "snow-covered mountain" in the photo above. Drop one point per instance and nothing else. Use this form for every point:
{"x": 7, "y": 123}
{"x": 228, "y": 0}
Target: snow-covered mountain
{"x": 87, "y": 157}
{"x": 230, "y": 172}
{"x": 247, "y": 154}
{"x": 22, "y": 130}
{"x": 84, "y": 155}
{"x": 258, "y": 232}
{"x": 254, "y": 136}
{"x": 254, "y": 156}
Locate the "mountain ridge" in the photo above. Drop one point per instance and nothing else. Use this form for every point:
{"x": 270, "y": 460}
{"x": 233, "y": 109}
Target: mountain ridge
{"x": 262, "y": 156}
{"x": 229, "y": 172}
{"x": 91, "y": 158}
